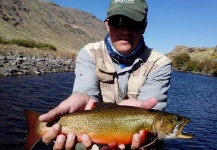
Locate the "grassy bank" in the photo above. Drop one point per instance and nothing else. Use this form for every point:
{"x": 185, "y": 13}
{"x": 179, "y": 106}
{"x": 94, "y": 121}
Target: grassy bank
{"x": 28, "y": 44}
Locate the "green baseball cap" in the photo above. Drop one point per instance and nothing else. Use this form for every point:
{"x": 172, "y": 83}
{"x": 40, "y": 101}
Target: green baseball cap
{"x": 134, "y": 9}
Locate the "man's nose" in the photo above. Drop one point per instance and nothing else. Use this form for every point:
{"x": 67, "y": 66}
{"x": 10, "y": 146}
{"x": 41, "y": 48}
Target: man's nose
{"x": 126, "y": 29}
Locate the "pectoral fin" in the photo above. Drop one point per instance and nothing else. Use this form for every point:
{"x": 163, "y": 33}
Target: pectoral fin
{"x": 147, "y": 138}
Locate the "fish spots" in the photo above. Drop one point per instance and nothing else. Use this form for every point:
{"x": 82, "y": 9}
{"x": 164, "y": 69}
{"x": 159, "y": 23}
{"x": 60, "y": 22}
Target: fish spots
{"x": 112, "y": 124}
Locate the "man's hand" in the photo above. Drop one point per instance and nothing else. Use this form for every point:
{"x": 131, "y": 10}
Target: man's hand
{"x": 148, "y": 104}
{"x": 76, "y": 102}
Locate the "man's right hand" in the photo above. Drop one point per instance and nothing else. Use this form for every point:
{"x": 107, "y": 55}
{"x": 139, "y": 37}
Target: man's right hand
{"x": 76, "y": 102}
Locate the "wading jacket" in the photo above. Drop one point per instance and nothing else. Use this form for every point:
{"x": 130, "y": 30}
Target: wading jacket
{"x": 102, "y": 77}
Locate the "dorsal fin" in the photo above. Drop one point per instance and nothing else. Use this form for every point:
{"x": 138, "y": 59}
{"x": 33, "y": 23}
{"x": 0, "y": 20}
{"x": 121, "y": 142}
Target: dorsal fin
{"x": 102, "y": 105}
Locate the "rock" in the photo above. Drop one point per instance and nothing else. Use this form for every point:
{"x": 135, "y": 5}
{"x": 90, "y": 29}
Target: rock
{"x": 37, "y": 72}
{"x": 7, "y": 74}
{"x": 18, "y": 63}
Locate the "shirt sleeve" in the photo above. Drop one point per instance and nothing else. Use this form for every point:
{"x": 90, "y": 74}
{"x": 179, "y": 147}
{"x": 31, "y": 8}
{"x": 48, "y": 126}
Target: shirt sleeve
{"x": 85, "y": 76}
{"x": 157, "y": 86}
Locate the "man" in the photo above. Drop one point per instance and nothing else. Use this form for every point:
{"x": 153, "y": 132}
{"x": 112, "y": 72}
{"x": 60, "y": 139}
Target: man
{"x": 121, "y": 69}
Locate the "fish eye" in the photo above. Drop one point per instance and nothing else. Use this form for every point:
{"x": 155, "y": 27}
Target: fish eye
{"x": 178, "y": 118}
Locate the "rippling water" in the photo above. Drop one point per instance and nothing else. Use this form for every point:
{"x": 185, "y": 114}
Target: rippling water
{"x": 191, "y": 95}
{"x": 40, "y": 93}
{"x": 195, "y": 96}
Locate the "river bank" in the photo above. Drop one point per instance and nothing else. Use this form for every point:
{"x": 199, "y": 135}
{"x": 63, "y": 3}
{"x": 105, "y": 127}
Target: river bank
{"x": 15, "y": 60}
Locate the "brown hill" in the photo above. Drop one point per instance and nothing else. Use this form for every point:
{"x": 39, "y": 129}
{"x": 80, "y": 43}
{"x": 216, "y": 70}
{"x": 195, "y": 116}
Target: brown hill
{"x": 65, "y": 28}
{"x": 196, "y": 53}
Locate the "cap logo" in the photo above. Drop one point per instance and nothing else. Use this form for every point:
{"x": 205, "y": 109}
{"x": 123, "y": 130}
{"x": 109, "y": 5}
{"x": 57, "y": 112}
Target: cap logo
{"x": 124, "y": 1}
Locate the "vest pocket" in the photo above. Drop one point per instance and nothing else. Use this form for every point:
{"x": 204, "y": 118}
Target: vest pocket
{"x": 105, "y": 71}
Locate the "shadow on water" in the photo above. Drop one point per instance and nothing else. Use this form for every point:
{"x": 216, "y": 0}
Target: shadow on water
{"x": 191, "y": 95}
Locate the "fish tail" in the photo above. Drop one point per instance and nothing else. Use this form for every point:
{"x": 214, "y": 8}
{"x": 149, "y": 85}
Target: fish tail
{"x": 32, "y": 134}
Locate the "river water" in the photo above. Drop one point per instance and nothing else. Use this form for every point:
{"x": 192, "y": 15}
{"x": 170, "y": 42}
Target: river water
{"x": 191, "y": 95}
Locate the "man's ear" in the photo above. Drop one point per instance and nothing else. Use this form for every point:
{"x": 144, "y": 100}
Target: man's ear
{"x": 107, "y": 25}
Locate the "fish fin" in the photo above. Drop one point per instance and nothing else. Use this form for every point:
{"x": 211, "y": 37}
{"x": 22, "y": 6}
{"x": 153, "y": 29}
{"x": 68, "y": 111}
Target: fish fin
{"x": 32, "y": 134}
{"x": 147, "y": 138}
{"x": 103, "y": 105}
{"x": 112, "y": 146}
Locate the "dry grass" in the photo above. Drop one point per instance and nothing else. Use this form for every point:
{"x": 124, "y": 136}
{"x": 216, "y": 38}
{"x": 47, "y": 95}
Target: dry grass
{"x": 4, "y": 49}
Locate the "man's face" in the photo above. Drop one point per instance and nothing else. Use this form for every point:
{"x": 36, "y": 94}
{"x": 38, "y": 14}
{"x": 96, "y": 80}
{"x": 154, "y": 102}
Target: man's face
{"x": 124, "y": 33}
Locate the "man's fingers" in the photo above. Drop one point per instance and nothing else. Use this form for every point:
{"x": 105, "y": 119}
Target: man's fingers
{"x": 51, "y": 134}
{"x": 60, "y": 142}
{"x": 86, "y": 141}
{"x": 136, "y": 141}
{"x": 80, "y": 102}
{"x": 148, "y": 104}
{"x": 50, "y": 116}
{"x": 70, "y": 142}
{"x": 121, "y": 146}
{"x": 55, "y": 113}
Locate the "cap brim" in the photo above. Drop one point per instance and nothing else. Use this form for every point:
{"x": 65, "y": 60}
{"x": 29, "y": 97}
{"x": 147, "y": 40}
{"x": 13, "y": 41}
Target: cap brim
{"x": 130, "y": 13}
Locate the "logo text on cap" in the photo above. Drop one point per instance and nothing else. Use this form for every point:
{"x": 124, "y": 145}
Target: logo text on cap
{"x": 124, "y": 1}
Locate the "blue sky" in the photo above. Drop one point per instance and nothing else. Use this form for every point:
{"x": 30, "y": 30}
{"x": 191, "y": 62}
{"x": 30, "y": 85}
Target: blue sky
{"x": 170, "y": 22}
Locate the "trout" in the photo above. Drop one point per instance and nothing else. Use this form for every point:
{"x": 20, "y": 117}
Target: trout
{"x": 111, "y": 124}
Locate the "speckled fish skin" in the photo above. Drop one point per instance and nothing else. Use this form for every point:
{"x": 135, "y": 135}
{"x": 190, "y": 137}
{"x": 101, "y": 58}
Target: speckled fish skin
{"x": 115, "y": 124}
{"x": 112, "y": 123}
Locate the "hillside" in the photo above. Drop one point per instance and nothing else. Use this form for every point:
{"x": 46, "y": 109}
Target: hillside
{"x": 197, "y": 60}
{"x": 196, "y": 53}
{"x": 65, "y": 28}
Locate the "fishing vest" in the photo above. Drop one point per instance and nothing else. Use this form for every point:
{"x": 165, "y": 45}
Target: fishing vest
{"x": 107, "y": 75}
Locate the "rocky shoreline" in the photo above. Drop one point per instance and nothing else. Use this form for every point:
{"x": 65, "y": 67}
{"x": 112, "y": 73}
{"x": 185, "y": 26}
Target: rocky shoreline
{"x": 23, "y": 62}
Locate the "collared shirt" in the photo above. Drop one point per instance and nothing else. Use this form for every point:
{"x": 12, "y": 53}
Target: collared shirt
{"x": 156, "y": 85}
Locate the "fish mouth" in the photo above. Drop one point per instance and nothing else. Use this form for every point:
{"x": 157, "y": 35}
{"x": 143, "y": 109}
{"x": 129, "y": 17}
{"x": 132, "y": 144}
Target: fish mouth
{"x": 181, "y": 134}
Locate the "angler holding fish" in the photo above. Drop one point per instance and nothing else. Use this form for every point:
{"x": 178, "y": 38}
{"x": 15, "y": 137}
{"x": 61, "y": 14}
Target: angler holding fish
{"x": 121, "y": 69}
